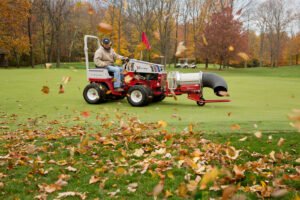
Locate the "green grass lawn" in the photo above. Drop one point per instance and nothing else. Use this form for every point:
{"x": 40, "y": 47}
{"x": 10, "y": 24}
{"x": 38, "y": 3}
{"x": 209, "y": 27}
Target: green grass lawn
{"x": 52, "y": 125}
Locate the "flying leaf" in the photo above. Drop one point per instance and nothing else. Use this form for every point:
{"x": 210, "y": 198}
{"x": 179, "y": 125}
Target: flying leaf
{"x": 61, "y": 89}
{"x": 244, "y": 56}
{"x": 180, "y": 49}
{"x": 228, "y": 192}
{"x": 104, "y": 28}
{"x": 209, "y": 177}
{"x": 204, "y": 40}
{"x": 258, "y": 134}
{"x": 272, "y": 155}
{"x": 158, "y": 189}
{"x": 280, "y": 142}
{"x": 66, "y": 79}
{"x": 45, "y": 90}
{"x": 127, "y": 79}
{"x": 162, "y": 124}
{"x": 156, "y": 35}
{"x": 48, "y": 65}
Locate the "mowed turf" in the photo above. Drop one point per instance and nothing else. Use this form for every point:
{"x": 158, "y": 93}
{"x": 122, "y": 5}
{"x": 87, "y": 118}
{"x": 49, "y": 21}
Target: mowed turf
{"x": 43, "y": 146}
{"x": 261, "y": 97}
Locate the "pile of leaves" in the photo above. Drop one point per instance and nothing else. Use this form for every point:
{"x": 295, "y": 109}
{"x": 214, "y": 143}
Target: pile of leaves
{"x": 126, "y": 158}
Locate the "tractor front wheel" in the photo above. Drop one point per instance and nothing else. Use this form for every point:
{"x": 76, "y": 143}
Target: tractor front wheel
{"x": 94, "y": 93}
{"x": 138, "y": 96}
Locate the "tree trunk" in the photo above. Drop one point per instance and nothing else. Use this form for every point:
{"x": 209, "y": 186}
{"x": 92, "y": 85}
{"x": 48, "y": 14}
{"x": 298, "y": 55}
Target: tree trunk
{"x": 29, "y": 24}
{"x": 71, "y": 45}
{"x": 44, "y": 42}
{"x": 261, "y": 49}
{"x": 58, "y": 48}
{"x": 206, "y": 63}
{"x": 119, "y": 28}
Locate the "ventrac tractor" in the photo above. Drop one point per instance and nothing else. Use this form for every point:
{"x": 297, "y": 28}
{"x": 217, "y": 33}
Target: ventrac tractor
{"x": 146, "y": 82}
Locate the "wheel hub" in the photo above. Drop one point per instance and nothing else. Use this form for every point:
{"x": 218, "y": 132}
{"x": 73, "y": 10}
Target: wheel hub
{"x": 136, "y": 96}
{"x": 92, "y": 94}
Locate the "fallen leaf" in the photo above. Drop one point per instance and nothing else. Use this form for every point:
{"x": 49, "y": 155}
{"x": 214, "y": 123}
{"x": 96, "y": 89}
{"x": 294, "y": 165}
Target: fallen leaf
{"x": 232, "y": 153}
{"x": 121, "y": 171}
{"x": 85, "y": 114}
{"x": 243, "y": 139}
{"x": 279, "y": 193}
{"x": 62, "y": 195}
{"x": 235, "y": 127}
{"x": 228, "y": 192}
{"x": 71, "y": 169}
{"x": 94, "y": 179}
{"x": 112, "y": 194}
{"x": 138, "y": 152}
{"x": 132, "y": 187}
{"x": 239, "y": 171}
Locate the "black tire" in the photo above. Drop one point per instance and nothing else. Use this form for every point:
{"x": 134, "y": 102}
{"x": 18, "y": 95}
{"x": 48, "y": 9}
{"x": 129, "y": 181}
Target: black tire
{"x": 94, "y": 93}
{"x": 158, "y": 98}
{"x": 138, "y": 96}
{"x": 201, "y": 102}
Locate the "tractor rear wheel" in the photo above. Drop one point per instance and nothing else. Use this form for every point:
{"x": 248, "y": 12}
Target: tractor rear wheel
{"x": 138, "y": 95}
{"x": 158, "y": 98}
{"x": 95, "y": 93}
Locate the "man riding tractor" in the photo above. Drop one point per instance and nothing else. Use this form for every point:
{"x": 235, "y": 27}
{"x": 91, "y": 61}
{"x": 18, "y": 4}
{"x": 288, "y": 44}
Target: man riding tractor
{"x": 104, "y": 57}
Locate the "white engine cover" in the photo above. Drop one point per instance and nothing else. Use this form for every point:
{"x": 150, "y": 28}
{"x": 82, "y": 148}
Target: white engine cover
{"x": 98, "y": 73}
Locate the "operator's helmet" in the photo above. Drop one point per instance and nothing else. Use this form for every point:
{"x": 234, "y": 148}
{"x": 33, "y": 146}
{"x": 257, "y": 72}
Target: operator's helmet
{"x": 106, "y": 43}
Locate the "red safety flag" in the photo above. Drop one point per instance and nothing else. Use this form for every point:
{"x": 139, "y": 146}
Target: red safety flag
{"x": 145, "y": 41}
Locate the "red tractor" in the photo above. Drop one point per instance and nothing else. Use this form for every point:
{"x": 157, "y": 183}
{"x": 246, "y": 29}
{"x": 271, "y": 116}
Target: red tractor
{"x": 146, "y": 82}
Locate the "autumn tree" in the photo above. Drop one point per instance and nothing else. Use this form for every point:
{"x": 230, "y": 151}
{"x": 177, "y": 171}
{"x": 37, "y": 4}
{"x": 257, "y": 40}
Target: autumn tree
{"x": 224, "y": 37}
{"x": 13, "y": 28}
{"x": 273, "y": 19}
